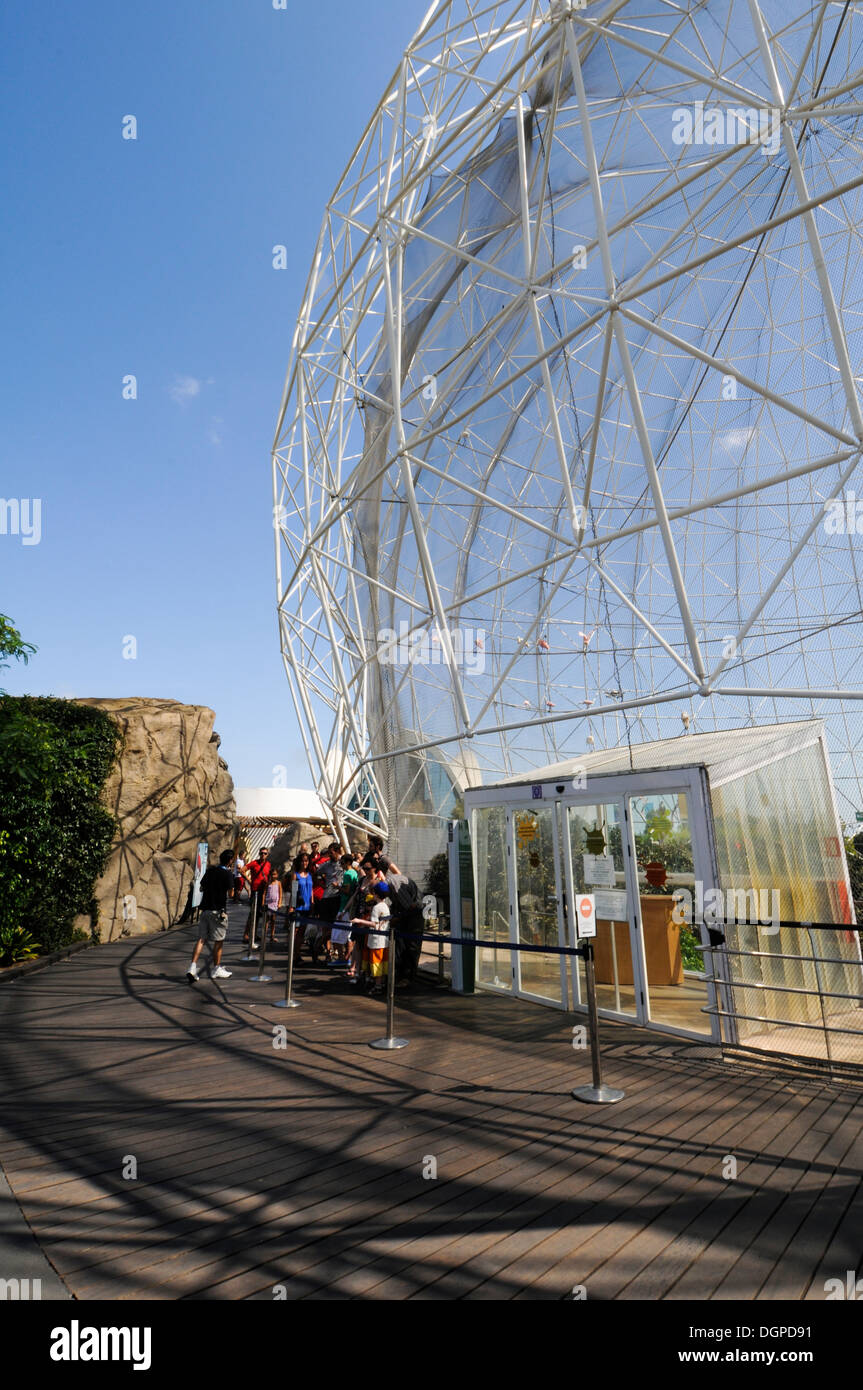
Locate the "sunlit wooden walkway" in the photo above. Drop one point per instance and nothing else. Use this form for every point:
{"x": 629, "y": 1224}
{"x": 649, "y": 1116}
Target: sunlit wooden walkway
{"x": 303, "y": 1167}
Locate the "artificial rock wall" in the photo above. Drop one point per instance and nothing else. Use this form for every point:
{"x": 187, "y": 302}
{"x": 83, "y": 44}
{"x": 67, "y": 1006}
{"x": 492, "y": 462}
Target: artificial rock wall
{"x": 169, "y": 790}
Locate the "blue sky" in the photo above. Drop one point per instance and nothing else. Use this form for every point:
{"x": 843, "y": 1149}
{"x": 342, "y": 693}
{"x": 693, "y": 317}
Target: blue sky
{"x": 153, "y": 257}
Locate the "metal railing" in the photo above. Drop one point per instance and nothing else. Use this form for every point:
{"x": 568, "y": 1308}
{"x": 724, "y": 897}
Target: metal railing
{"x": 817, "y": 1017}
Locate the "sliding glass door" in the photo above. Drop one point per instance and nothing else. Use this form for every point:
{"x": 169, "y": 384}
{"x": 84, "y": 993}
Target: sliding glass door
{"x": 493, "y": 913}
{"x": 539, "y": 916}
{"x": 676, "y": 993}
{"x": 595, "y": 841}
{"x": 633, "y": 849}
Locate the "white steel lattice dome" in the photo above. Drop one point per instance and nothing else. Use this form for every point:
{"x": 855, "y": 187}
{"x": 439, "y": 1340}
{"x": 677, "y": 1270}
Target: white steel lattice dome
{"x": 614, "y": 250}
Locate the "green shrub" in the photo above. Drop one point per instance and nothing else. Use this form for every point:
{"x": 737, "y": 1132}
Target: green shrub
{"x": 692, "y": 957}
{"x": 16, "y": 945}
{"x": 55, "y": 756}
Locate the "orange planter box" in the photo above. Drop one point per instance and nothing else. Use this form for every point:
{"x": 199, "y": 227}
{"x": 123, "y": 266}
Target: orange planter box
{"x": 661, "y": 945}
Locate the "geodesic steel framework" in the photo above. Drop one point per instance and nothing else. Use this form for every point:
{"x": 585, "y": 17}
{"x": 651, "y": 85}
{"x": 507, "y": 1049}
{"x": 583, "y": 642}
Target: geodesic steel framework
{"x": 567, "y": 447}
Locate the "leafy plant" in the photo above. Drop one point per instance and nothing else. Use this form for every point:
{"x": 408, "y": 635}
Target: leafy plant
{"x": 692, "y": 957}
{"x": 54, "y": 758}
{"x": 16, "y": 945}
{"x": 12, "y": 644}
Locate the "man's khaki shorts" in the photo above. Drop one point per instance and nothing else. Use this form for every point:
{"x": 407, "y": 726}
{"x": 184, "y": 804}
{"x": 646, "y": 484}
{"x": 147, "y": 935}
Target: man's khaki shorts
{"x": 213, "y": 926}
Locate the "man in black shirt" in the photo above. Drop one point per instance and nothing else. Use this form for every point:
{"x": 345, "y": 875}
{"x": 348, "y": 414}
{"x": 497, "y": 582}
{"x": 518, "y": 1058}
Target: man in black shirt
{"x": 216, "y": 884}
{"x": 407, "y": 921}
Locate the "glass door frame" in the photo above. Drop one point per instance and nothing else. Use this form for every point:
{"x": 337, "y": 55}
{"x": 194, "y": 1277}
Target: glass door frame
{"x": 534, "y": 806}
{"x": 692, "y": 785}
{"x": 617, "y": 800}
{"x": 497, "y": 944}
{"x": 619, "y": 789}
{"x": 603, "y": 788}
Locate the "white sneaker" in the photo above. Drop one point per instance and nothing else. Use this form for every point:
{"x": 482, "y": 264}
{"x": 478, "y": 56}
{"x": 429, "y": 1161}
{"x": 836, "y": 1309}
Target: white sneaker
{"x": 221, "y": 974}
{"x": 192, "y": 972}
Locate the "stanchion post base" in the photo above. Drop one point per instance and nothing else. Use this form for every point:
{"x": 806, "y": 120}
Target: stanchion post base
{"x": 598, "y": 1095}
{"x": 388, "y": 1044}
{"x": 286, "y": 1004}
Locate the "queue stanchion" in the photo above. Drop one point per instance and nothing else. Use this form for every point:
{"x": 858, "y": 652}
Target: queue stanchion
{"x": 262, "y": 978}
{"x": 253, "y": 923}
{"x": 390, "y": 1043}
{"x": 289, "y": 1002}
{"x": 598, "y": 1093}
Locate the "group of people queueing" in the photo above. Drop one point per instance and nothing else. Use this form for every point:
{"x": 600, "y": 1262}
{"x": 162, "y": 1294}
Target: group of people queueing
{"x": 340, "y": 904}
{"x": 343, "y": 906}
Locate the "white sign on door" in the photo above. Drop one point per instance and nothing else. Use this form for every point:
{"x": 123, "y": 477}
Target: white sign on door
{"x": 599, "y": 869}
{"x": 611, "y": 904}
{"x": 585, "y": 915}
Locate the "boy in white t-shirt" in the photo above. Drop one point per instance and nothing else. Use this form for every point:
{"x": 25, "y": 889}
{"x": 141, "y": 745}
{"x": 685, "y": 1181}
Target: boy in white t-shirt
{"x": 237, "y": 870}
{"x": 376, "y": 954}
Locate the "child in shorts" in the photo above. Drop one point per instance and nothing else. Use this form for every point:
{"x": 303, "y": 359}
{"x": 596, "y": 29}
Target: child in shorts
{"x": 273, "y": 899}
{"x": 376, "y": 954}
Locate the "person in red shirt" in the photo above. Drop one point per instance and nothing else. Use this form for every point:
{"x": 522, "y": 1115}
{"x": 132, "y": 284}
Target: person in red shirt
{"x": 257, "y": 874}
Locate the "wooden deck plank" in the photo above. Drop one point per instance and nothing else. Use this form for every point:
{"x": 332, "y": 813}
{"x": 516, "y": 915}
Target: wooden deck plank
{"x": 698, "y": 1233}
{"x": 303, "y": 1167}
{"x": 580, "y": 1200}
{"x": 481, "y": 1225}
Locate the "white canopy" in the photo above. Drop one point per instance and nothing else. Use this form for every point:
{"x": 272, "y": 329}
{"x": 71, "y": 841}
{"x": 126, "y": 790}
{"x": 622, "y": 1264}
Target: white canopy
{"x": 280, "y": 803}
{"x": 726, "y": 753}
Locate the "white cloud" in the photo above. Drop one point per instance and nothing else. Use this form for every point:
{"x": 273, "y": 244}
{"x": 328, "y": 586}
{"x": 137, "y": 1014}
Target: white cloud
{"x": 737, "y": 439}
{"x": 184, "y": 389}
{"x": 214, "y": 433}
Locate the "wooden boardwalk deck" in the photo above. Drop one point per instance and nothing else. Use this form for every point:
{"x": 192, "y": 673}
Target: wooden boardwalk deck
{"x": 303, "y": 1167}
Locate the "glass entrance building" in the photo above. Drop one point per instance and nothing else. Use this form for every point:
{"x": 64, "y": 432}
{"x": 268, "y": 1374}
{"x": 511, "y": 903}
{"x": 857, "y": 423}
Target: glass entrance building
{"x": 723, "y": 901}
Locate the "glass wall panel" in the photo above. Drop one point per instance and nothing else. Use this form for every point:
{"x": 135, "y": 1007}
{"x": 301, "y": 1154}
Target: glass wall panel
{"x": 776, "y": 831}
{"x": 538, "y": 921}
{"x": 493, "y": 965}
{"x": 676, "y": 989}
{"x": 780, "y": 856}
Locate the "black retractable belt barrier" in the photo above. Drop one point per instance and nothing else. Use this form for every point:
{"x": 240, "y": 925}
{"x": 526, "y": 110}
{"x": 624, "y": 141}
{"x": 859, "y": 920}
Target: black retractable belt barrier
{"x": 597, "y": 1093}
{"x": 390, "y": 1043}
{"x": 253, "y": 922}
{"x": 262, "y": 978}
{"x": 289, "y": 1002}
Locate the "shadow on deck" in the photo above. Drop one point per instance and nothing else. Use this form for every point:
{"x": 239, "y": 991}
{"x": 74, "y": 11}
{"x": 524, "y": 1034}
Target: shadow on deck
{"x": 161, "y": 1146}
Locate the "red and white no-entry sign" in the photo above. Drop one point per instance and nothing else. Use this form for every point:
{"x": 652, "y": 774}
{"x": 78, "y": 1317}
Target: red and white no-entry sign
{"x": 585, "y": 915}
